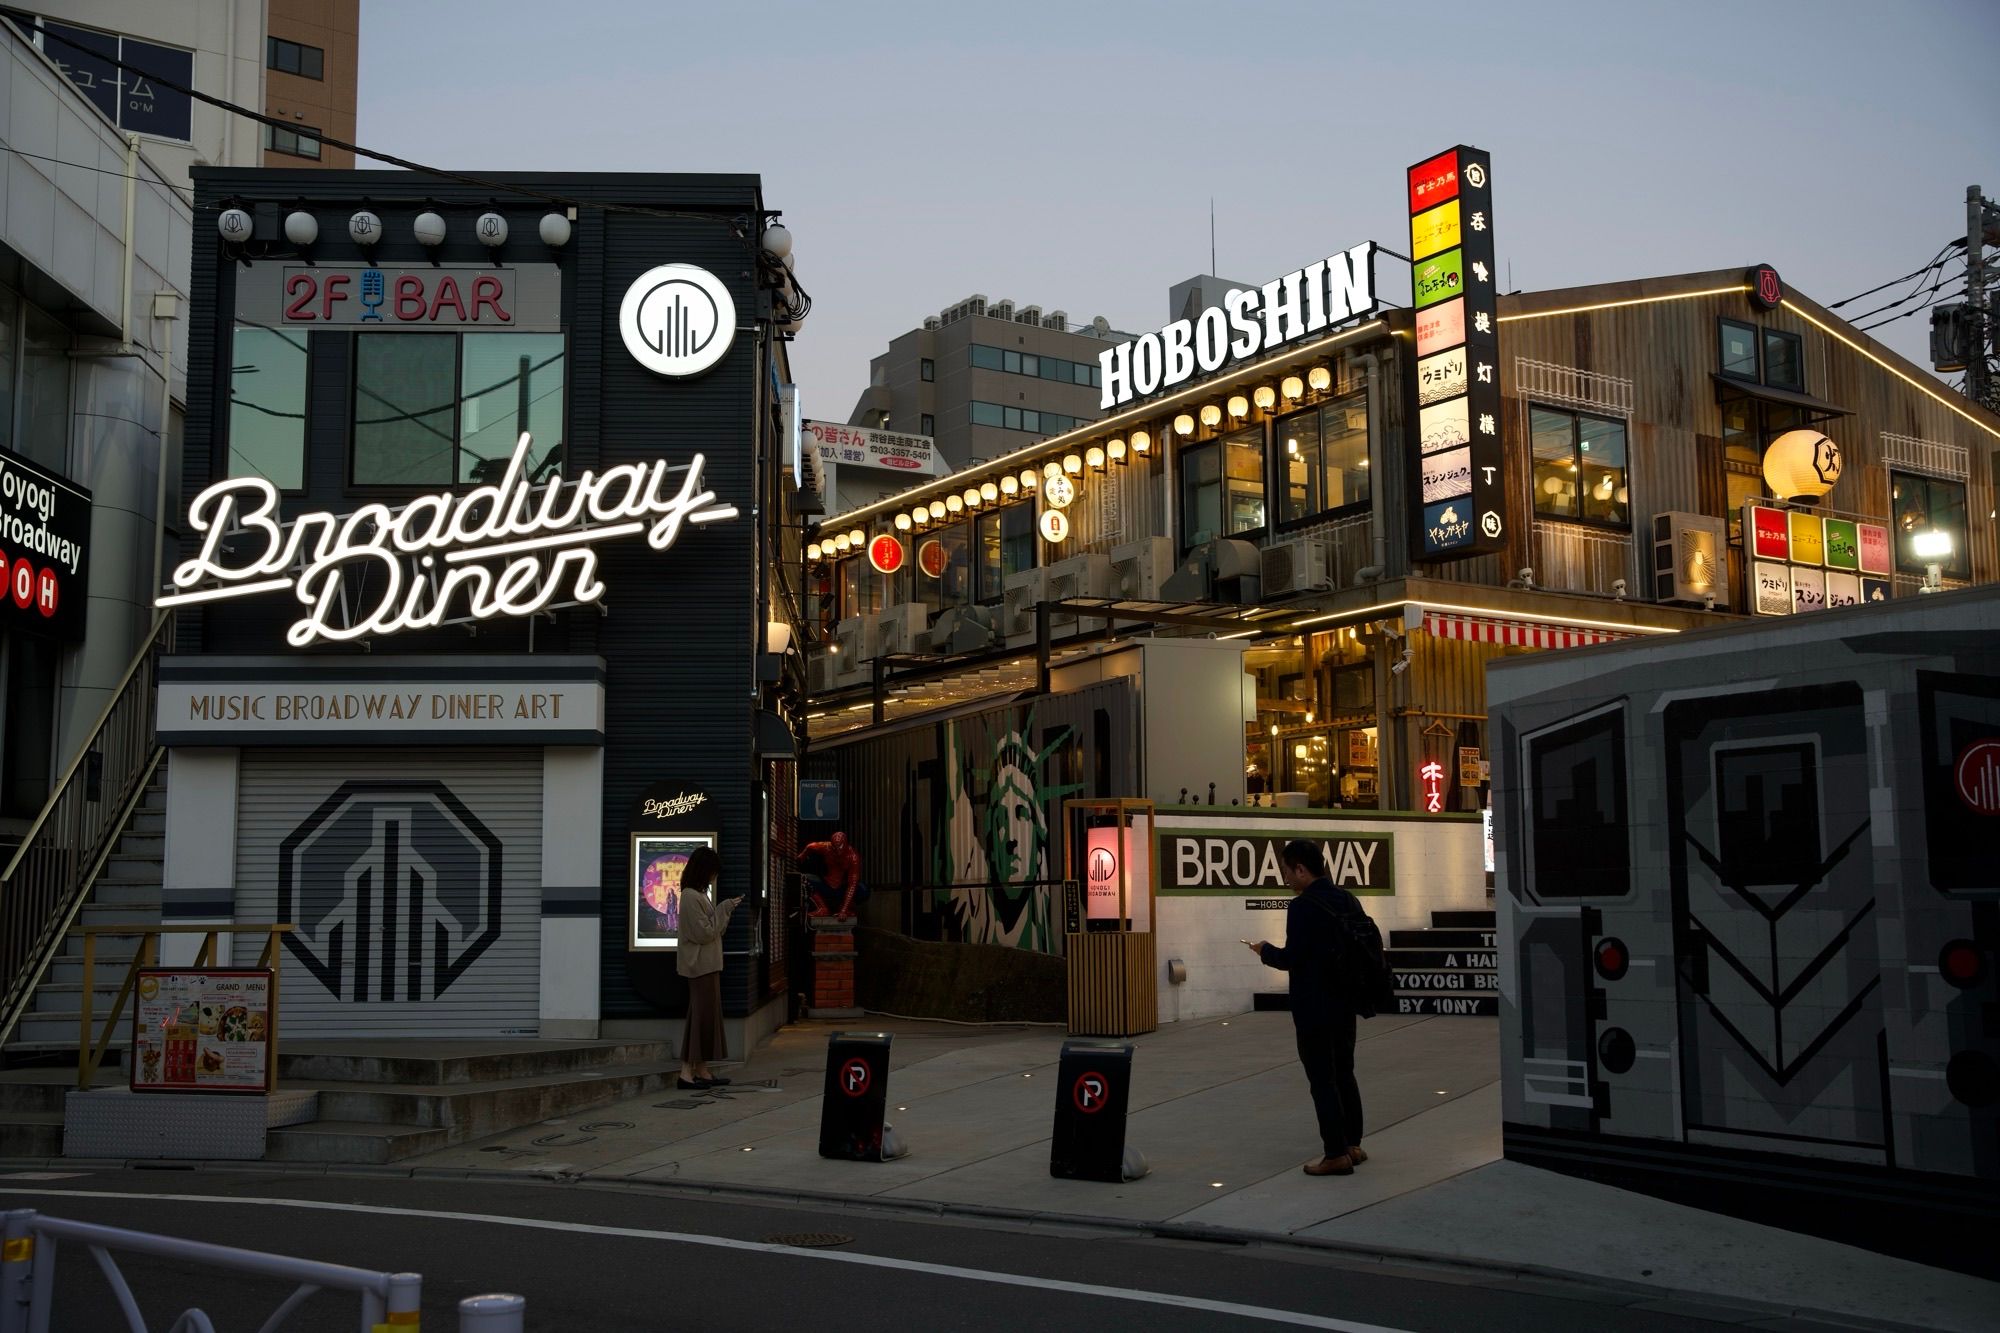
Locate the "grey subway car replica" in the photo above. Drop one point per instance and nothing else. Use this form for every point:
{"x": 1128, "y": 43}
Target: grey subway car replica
{"x": 1748, "y": 892}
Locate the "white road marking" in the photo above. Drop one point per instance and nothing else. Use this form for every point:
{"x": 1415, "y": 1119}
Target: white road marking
{"x": 1258, "y": 1312}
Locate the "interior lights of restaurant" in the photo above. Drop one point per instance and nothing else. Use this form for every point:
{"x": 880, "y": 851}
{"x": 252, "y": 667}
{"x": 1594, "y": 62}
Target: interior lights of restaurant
{"x": 1292, "y": 387}
{"x": 1073, "y": 464}
{"x": 1141, "y": 442}
{"x": 1211, "y": 415}
{"x": 1266, "y": 396}
{"x": 1321, "y": 378}
{"x": 1292, "y": 447}
{"x": 1239, "y": 406}
{"x": 1093, "y": 458}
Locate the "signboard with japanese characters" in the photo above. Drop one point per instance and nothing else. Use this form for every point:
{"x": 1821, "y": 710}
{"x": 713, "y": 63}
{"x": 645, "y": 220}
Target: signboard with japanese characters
{"x": 838, "y": 444}
{"x": 1454, "y": 386}
{"x": 1801, "y": 561}
{"x": 204, "y": 1030}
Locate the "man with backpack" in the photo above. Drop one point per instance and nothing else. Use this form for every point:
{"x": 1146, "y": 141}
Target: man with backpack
{"x": 1334, "y": 955}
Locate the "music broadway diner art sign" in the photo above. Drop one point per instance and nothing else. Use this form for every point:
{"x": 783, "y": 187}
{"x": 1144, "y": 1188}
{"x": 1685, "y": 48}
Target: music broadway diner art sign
{"x": 505, "y": 550}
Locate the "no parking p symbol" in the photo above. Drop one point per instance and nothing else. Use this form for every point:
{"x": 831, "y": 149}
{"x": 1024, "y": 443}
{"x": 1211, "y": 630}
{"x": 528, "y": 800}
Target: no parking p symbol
{"x": 855, "y": 1076}
{"x": 1090, "y": 1093}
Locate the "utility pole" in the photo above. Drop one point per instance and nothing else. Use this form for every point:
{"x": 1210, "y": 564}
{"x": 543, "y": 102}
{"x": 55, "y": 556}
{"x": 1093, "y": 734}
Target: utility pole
{"x": 1978, "y": 383}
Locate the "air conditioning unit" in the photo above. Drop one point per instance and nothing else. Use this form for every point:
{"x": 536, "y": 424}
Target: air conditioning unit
{"x": 1017, "y": 604}
{"x": 850, "y": 664}
{"x": 1001, "y": 310}
{"x": 933, "y": 322}
{"x": 821, "y": 671}
{"x": 1030, "y": 314}
{"x": 1690, "y": 559}
{"x": 1079, "y": 576}
{"x": 1140, "y": 568}
{"x": 900, "y": 629}
{"x": 1289, "y": 568}
{"x": 976, "y": 304}
{"x": 1224, "y": 570}
{"x": 963, "y": 629}
{"x": 1056, "y": 319}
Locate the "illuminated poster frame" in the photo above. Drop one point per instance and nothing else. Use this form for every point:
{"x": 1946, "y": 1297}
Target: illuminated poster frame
{"x": 654, "y": 907}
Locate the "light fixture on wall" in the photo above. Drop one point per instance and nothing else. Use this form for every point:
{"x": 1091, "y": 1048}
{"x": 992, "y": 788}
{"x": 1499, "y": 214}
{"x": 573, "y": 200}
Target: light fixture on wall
{"x": 1292, "y": 387}
{"x": 972, "y": 497}
{"x": 988, "y": 492}
{"x": 812, "y": 552}
{"x": 491, "y": 229}
{"x": 954, "y": 505}
{"x": 1321, "y": 378}
{"x": 429, "y": 229}
{"x": 364, "y": 228}
{"x": 1115, "y": 450}
{"x": 301, "y": 228}
{"x": 1052, "y": 468}
{"x": 1211, "y": 415}
{"x": 1073, "y": 464}
{"x": 1142, "y": 443}
{"x": 938, "y": 510}
{"x": 777, "y": 638}
{"x": 1093, "y": 458}
{"x": 1239, "y": 406}
{"x": 1010, "y": 486}
{"x": 234, "y": 225}
{"x": 1183, "y": 424}
{"x": 920, "y": 516}
{"x": 902, "y": 522}
{"x": 554, "y": 229}
{"x": 1031, "y": 480}
{"x": 1266, "y": 396}
{"x": 840, "y": 543}
{"x": 1933, "y": 548}
{"x": 858, "y": 537}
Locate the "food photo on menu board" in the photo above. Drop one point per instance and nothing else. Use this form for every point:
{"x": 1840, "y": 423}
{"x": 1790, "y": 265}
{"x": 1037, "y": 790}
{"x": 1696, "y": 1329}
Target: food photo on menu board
{"x": 202, "y": 1031}
{"x": 657, "y": 863}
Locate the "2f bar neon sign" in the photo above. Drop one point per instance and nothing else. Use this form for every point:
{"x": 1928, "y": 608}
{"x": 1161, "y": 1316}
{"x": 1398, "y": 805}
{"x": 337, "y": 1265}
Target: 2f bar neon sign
{"x": 511, "y": 549}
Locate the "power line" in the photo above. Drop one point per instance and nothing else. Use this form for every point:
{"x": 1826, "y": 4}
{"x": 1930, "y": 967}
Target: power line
{"x": 1918, "y": 274}
{"x": 84, "y": 166}
{"x": 1936, "y": 296}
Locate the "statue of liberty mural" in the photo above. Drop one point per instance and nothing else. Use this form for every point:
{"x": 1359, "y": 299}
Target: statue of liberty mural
{"x": 998, "y": 802}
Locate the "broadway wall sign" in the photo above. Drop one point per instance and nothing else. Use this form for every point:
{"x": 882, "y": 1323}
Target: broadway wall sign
{"x": 1247, "y": 862}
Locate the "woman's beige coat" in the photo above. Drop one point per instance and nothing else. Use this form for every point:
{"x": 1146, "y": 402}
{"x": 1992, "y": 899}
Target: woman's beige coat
{"x": 702, "y": 924}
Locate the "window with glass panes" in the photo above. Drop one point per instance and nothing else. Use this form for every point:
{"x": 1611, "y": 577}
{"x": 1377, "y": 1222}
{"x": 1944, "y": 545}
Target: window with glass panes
{"x": 438, "y": 409}
{"x": 1748, "y": 427}
{"x": 1579, "y": 466}
{"x": 267, "y": 405}
{"x": 1005, "y": 540}
{"x": 1918, "y": 504}
{"x": 1222, "y": 487}
{"x": 1323, "y": 458}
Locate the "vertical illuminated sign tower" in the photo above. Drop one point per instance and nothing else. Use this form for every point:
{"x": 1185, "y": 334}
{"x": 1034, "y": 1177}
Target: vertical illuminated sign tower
{"x": 1457, "y": 496}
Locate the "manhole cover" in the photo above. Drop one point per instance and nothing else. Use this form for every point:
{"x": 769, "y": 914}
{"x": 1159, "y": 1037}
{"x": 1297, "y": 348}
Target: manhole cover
{"x": 810, "y": 1240}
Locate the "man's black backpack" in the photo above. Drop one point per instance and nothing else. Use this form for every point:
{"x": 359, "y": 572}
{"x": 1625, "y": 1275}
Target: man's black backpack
{"x": 1361, "y": 975}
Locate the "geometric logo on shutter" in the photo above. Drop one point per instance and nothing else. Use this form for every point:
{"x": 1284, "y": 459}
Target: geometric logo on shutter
{"x": 394, "y": 887}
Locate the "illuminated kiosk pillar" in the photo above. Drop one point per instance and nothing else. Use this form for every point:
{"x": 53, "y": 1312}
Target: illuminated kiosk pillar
{"x": 1113, "y": 991}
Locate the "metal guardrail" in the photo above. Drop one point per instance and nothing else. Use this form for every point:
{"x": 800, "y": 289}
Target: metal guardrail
{"x": 388, "y": 1301}
{"x": 90, "y": 1054}
{"x": 51, "y": 873}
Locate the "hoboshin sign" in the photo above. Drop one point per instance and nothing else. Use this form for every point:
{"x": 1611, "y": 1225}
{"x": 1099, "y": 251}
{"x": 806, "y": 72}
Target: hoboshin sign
{"x": 1458, "y": 500}
{"x": 511, "y": 549}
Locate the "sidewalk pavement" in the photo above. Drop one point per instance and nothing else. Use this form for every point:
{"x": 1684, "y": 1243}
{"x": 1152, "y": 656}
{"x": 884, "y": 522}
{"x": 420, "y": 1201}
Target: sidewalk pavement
{"x": 1221, "y": 1111}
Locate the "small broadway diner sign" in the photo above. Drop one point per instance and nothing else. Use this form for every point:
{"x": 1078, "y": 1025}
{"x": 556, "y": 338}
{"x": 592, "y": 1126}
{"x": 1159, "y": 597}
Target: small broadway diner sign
{"x": 505, "y": 550}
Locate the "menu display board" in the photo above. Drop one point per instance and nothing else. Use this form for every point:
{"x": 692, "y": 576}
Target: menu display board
{"x": 204, "y": 1030}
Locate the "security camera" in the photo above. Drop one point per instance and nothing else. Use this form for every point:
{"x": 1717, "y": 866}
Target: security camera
{"x": 1618, "y": 589}
{"x": 1402, "y": 664}
{"x": 1524, "y": 579}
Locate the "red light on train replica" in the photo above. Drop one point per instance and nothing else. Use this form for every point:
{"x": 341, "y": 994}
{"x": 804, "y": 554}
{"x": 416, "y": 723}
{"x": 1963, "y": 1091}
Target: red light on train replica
{"x": 1961, "y": 963}
{"x": 1612, "y": 959}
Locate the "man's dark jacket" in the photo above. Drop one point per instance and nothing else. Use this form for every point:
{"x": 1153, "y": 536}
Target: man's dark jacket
{"x": 1309, "y": 951}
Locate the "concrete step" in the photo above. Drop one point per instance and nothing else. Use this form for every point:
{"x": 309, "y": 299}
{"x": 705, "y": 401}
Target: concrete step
{"x": 151, "y": 823}
{"x": 31, "y": 1133}
{"x": 127, "y": 893}
{"x": 351, "y": 1141}
{"x": 42, "y": 1089}
{"x": 56, "y": 1029}
{"x": 429, "y": 1064}
{"x": 68, "y": 971}
{"x": 474, "y": 1110}
{"x": 151, "y": 845}
{"x": 57, "y": 997}
{"x": 119, "y": 915}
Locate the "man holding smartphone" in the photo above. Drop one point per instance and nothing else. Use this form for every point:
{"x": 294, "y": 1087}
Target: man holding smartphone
{"x": 1322, "y": 1020}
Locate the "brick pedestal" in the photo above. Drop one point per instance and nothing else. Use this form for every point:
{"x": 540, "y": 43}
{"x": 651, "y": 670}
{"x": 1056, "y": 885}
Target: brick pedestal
{"x": 833, "y": 968}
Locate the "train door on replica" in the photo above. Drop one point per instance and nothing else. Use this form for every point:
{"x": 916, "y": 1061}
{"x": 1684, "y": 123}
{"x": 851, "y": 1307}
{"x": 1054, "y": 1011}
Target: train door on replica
{"x": 1774, "y": 915}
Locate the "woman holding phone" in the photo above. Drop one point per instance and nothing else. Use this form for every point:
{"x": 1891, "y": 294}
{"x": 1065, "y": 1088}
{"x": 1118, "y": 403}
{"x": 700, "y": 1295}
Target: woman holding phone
{"x": 700, "y": 961}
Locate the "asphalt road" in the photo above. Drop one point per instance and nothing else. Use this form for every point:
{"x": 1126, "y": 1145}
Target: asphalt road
{"x": 610, "y": 1259}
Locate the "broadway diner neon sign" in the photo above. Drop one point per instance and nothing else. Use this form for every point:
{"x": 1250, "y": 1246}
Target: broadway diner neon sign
{"x": 510, "y": 549}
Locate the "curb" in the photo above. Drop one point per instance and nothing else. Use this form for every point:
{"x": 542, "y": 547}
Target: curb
{"x": 1493, "y": 1272}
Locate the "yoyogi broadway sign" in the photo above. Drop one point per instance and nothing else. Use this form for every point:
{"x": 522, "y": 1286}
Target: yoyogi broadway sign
{"x": 504, "y": 550}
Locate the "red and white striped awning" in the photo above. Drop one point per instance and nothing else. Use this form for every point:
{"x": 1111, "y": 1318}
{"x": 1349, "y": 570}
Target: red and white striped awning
{"x": 1516, "y": 633}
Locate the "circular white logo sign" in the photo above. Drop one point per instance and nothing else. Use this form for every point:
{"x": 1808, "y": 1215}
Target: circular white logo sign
{"x": 677, "y": 320}
{"x": 1055, "y": 525}
{"x": 1058, "y": 491}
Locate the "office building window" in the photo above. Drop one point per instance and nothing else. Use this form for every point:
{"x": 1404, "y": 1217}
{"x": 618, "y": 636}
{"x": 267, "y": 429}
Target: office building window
{"x": 267, "y": 406}
{"x": 926, "y": 370}
{"x": 1929, "y": 504}
{"x": 432, "y": 409}
{"x": 1025, "y": 419}
{"x": 1323, "y": 452}
{"x": 927, "y": 424}
{"x": 1040, "y": 367}
{"x": 1222, "y": 487}
{"x": 1006, "y": 544}
{"x": 1579, "y": 467}
{"x": 34, "y": 383}
{"x": 298, "y": 141}
{"x": 295, "y": 58}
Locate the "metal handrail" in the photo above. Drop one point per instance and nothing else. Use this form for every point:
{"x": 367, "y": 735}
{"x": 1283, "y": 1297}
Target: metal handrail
{"x": 51, "y": 874}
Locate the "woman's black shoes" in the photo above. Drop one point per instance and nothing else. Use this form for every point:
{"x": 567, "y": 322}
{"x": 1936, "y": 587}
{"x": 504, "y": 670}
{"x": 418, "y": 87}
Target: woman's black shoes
{"x": 693, "y": 1084}
{"x": 717, "y": 1082}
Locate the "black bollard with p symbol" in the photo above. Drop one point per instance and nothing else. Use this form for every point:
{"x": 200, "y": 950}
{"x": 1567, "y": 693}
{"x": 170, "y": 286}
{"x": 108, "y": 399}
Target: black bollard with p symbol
{"x": 1093, "y": 1086}
{"x": 857, "y": 1094}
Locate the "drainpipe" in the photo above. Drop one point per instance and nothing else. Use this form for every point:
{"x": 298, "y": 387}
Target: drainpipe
{"x": 131, "y": 212}
{"x": 166, "y": 307}
{"x": 1376, "y": 514}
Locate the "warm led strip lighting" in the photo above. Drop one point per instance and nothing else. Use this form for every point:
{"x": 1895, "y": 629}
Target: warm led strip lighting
{"x": 1942, "y": 399}
{"x": 1488, "y": 613}
{"x": 1613, "y": 305}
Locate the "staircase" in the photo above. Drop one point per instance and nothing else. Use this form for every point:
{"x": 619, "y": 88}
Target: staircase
{"x": 127, "y": 893}
{"x": 1450, "y": 969}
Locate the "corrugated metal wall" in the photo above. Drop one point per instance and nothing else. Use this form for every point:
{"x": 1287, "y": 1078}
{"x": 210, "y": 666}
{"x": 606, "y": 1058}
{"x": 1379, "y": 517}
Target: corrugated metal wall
{"x": 390, "y": 869}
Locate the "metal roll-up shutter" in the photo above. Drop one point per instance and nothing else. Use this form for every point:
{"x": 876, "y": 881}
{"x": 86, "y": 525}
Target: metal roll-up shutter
{"x": 414, "y": 878}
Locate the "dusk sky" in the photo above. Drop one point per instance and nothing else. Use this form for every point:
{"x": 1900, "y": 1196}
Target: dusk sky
{"x": 1065, "y": 154}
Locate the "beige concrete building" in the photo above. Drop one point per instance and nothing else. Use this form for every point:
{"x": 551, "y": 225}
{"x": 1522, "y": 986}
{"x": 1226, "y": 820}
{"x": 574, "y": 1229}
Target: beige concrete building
{"x": 310, "y": 55}
{"x": 986, "y": 378}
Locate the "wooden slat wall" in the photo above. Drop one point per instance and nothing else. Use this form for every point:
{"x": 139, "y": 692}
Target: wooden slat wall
{"x": 1113, "y": 989}
{"x": 1668, "y": 350}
